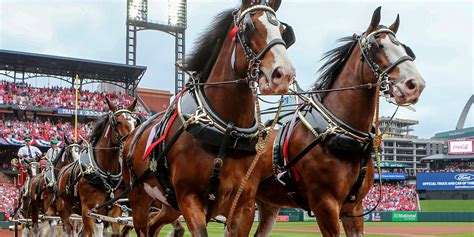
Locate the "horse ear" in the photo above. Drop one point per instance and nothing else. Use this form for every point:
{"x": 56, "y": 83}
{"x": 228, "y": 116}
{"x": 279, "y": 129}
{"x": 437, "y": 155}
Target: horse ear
{"x": 246, "y": 3}
{"x": 374, "y": 22}
{"x": 112, "y": 107}
{"x": 66, "y": 141}
{"x": 275, "y": 4}
{"x": 132, "y": 106}
{"x": 395, "y": 25}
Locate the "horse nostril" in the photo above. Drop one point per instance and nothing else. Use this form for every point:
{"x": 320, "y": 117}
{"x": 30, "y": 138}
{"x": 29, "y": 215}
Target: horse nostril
{"x": 410, "y": 84}
{"x": 278, "y": 73}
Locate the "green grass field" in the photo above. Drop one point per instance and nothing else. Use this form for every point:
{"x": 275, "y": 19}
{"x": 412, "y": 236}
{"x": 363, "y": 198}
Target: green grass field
{"x": 447, "y": 205}
{"x": 215, "y": 229}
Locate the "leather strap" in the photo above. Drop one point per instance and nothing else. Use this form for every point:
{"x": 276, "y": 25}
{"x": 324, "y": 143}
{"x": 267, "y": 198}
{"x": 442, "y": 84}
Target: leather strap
{"x": 212, "y": 195}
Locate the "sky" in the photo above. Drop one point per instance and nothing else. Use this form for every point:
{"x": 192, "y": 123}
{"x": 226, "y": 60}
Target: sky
{"x": 439, "y": 32}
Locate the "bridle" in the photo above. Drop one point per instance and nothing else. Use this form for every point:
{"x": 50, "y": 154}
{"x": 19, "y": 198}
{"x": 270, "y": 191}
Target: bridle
{"x": 243, "y": 23}
{"x": 68, "y": 148}
{"x": 367, "y": 43}
{"x": 114, "y": 124}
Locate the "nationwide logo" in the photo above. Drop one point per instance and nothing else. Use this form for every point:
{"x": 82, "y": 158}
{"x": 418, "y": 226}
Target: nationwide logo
{"x": 464, "y": 177}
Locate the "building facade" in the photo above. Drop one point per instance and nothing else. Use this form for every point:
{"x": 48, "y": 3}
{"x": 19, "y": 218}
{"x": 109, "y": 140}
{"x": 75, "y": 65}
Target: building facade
{"x": 400, "y": 146}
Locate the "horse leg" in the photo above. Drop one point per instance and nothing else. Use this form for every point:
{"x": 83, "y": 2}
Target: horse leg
{"x": 165, "y": 216}
{"x": 140, "y": 203}
{"x": 193, "y": 212}
{"x": 354, "y": 226}
{"x": 126, "y": 231}
{"x": 89, "y": 224}
{"x": 326, "y": 210}
{"x": 65, "y": 211}
{"x": 178, "y": 229}
{"x": 52, "y": 223}
{"x": 115, "y": 212}
{"x": 242, "y": 220}
{"x": 25, "y": 232}
{"x": 34, "y": 218}
{"x": 267, "y": 214}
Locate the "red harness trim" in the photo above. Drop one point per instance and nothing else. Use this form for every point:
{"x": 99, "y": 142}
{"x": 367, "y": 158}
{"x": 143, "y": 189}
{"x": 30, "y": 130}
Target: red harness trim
{"x": 233, "y": 32}
{"x": 162, "y": 138}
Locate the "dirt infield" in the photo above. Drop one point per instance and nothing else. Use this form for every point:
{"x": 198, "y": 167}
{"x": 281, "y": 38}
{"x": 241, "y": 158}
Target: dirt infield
{"x": 424, "y": 231}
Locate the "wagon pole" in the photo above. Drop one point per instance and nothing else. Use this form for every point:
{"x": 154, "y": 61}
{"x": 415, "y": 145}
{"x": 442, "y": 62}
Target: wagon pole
{"x": 76, "y": 106}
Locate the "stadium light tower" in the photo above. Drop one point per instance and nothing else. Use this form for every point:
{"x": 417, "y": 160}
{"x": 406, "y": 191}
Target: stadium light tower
{"x": 137, "y": 20}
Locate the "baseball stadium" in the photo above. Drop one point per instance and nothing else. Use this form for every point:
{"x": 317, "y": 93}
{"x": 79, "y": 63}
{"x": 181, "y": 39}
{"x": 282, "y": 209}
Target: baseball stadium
{"x": 205, "y": 129}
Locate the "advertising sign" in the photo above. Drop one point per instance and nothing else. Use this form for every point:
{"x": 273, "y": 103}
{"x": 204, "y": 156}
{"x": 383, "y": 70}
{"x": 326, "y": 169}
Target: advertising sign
{"x": 376, "y": 216}
{"x": 391, "y": 176}
{"x": 460, "y": 146}
{"x": 404, "y": 216}
{"x": 283, "y": 218}
{"x": 80, "y": 112}
{"x": 445, "y": 181}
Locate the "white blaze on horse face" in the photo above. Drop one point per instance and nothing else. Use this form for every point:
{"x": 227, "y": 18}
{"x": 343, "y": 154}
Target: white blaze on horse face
{"x": 407, "y": 70}
{"x": 75, "y": 152}
{"x": 280, "y": 55}
{"x": 131, "y": 121}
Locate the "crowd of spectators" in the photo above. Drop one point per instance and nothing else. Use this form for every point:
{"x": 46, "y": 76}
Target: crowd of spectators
{"x": 8, "y": 198}
{"x": 396, "y": 196}
{"x": 393, "y": 170}
{"x": 54, "y": 97}
{"x": 461, "y": 166}
{"x": 40, "y": 128}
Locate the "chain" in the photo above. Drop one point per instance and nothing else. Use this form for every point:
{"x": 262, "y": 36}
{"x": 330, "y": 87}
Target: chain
{"x": 260, "y": 148}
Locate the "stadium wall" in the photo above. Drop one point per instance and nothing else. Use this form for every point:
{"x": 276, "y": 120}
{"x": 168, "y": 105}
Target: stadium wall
{"x": 415, "y": 217}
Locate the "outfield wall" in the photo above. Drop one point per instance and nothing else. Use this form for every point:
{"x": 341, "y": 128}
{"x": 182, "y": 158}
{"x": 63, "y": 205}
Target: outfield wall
{"x": 409, "y": 217}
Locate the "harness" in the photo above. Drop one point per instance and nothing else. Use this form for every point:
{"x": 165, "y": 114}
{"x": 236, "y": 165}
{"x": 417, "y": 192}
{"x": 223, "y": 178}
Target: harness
{"x": 331, "y": 132}
{"x": 200, "y": 121}
{"x": 88, "y": 168}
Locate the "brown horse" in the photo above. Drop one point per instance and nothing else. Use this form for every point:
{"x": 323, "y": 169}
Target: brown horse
{"x": 43, "y": 187}
{"x": 96, "y": 177}
{"x": 243, "y": 48}
{"x": 32, "y": 170}
{"x": 332, "y": 177}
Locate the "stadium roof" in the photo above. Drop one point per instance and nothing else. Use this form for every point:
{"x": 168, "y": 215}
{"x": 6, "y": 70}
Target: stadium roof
{"x": 457, "y": 133}
{"x": 40, "y": 65}
{"x": 447, "y": 157}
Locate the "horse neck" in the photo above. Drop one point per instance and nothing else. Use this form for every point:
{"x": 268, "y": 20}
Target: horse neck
{"x": 60, "y": 164}
{"x": 107, "y": 159}
{"x": 355, "y": 107}
{"x": 232, "y": 102}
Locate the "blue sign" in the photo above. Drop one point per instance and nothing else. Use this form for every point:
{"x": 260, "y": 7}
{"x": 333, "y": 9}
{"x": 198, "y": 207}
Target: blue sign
{"x": 391, "y": 176}
{"x": 445, "y": 181}
{"x": 80, "y": 112}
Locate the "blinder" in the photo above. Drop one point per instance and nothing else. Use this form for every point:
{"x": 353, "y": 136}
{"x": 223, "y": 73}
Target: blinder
{"x": 288, "y": 35}
{"x": 409, "y": 51}
{"x": 373, "y": 42}
{"x": 249, "y": 28}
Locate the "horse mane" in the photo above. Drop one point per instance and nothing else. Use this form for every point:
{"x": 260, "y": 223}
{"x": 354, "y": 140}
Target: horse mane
{"x": 98, "y": 129}
{"x": 208, "y": 45}
{"x": 335, "y": 60}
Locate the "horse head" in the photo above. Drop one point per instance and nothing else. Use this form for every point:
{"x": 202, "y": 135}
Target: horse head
{"x": 391, "y": 61}
{"x": 261, "y": 41}
{"x": 121, "y": 121}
